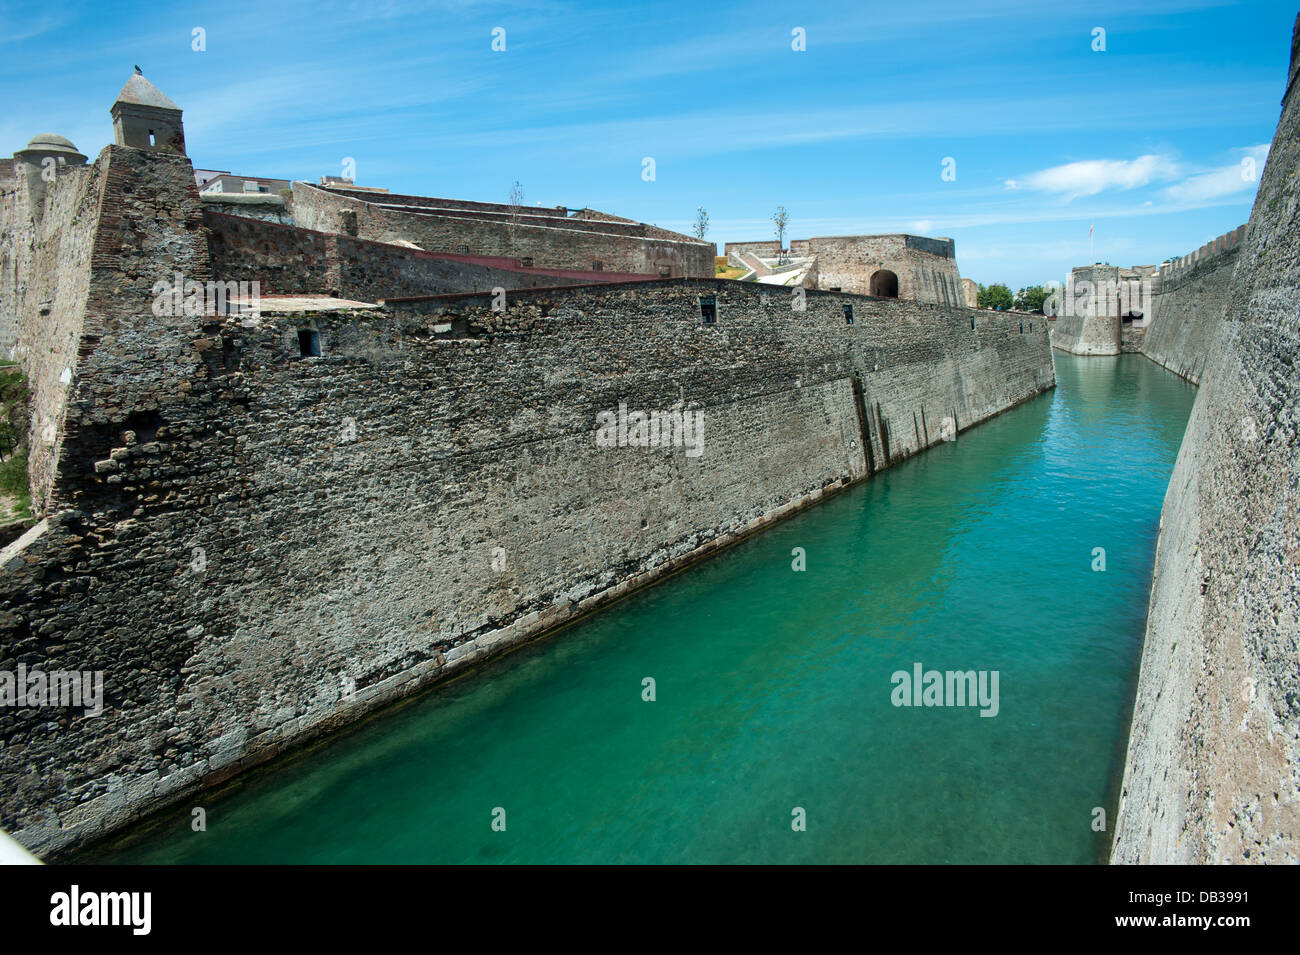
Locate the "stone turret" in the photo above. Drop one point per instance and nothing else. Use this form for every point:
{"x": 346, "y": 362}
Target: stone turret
{"x": 50, "y": 146}
{"x": 144, "y": 117}
{"x": 39, "y": 163}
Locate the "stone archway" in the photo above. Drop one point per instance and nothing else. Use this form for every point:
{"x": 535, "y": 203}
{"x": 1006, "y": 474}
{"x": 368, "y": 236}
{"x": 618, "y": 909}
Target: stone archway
{"x": 884, "y": 284}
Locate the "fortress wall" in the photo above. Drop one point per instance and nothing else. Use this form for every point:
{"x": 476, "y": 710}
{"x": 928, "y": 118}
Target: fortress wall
{"x": 557, "y": 248}
{"x": 1088, "y": 334}
{"x": 249, "y": 205}
{"x": 1132, "y": 337}
{"x": 371, "y": 270}
{"x": 766, "y": 249}
{"x": 525, "y": 216}
{"x": 1213, "y": 768}
{"x": 1188, "y": 309}
{"x": 848, "y": 262}
{"x": 288, "y": 260}
{"x": 295, "y": 530}
{"x": 46, "y": 244}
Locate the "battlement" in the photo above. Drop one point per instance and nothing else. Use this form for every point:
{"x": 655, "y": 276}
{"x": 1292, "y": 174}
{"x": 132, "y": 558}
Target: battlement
{"x": 1177, "y": 268}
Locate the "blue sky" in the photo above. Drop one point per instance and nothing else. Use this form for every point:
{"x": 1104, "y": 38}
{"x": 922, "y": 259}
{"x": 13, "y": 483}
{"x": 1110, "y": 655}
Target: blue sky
{"x": 1145, "y": 140}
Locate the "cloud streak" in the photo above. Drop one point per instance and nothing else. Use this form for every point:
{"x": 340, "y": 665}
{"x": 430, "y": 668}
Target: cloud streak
{"x": 1091, "y": 176}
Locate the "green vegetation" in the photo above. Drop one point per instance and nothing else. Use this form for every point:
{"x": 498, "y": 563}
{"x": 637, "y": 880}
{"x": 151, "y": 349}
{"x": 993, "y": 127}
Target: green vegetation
{"x": 15, "y": 494}
{"x": 1031, "y": 299}
{"x": 995, "y": 296}
{"x": 724, "y": 271}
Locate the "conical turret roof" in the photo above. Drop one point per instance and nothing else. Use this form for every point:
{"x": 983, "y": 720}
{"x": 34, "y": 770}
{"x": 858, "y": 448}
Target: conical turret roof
{"x": 140, "y": 92}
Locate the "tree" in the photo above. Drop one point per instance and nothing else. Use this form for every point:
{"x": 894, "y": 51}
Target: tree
{"x": 701, "y": 223}
{"x": 995, "y": 296}
{"x": 781, "y": 219}
{"x": 1031, "y": 299}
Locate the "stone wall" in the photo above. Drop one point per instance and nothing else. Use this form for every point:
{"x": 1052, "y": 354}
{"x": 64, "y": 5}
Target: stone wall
{"x": 1213, "y": 768}
{"x": 733, "y": 250}
{"x": 1189, "y": 306}
{"x": 287, "y": 260}
{"x": 47, "y": 238}
{"x": 268, "y": 208}
{"x": 256, "y": 547}
{"x": 849, "y": 262}
{"x": 562, "y": 243}
{"x": 1088, "y": 320}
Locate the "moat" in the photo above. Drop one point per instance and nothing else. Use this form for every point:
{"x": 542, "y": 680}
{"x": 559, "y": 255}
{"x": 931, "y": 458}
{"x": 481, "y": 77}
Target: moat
{"x": 773, "y": 686}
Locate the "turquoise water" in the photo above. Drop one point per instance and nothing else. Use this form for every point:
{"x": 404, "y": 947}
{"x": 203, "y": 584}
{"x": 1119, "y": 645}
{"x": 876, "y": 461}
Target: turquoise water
{"x": 773, "y": 687}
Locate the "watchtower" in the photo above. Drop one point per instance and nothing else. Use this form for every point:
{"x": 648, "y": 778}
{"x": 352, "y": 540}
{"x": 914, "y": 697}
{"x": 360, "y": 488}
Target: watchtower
{"x": 145, "y": 118}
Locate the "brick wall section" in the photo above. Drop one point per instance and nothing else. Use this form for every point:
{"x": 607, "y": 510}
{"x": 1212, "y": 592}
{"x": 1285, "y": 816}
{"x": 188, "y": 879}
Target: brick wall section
{"x": 1213, "y": 767}
{"x": 557, "y": 248}
{"x": 371, "y": 559}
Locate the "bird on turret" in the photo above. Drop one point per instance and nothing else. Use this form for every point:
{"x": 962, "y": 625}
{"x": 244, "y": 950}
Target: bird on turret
{"x": 140, "y": 71}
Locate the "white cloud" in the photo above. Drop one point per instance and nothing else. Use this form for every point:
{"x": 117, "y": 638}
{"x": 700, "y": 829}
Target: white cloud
{"x": 923, "y": 225}
{"x": 1224, "y": 181}
{"x": 1091, "y": 176}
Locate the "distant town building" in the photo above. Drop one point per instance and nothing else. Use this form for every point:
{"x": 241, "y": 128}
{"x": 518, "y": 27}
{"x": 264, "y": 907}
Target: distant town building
{"x": 227, "y": 182}
{"x": 204, "y": 176}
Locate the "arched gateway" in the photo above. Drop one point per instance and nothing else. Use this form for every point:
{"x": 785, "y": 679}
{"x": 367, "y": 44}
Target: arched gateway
{"x": 884, "y": 284}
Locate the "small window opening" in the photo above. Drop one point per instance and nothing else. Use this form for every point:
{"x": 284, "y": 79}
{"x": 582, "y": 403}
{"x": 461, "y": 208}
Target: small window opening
{"x": 848, "y": 314}
{"x": 598, "y": 266}
{"x": 665, "y": 271}
{"x": 462, "y": 249}
{"x": 1022, "y": 328}
{"x": 972, "y": 321}
{"x": 526, "y": 261}
{"x": 152, "y": 142}
{"x": 709, "y": 309}
{"x": 309, "y": 343}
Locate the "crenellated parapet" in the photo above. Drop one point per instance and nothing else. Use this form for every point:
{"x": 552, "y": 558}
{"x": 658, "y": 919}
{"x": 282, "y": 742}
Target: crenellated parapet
{"x": 1176, "y": 270}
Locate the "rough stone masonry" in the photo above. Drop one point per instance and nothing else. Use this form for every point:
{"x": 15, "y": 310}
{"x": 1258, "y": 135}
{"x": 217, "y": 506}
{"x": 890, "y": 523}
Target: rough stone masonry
{"x": 1213, "y": 768}
{"x": 259, "y": 527}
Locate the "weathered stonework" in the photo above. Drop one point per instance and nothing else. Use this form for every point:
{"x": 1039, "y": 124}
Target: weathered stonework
{"x": 587, "y": 241}
{"x": 328, "y": 559}
{"x": 910, "y": 267}
{"x": 286, "y": 260}
{"x": 1213, "y": 768}
{"x": 261, "y": 526}
{"x": 1189, "y": 306}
